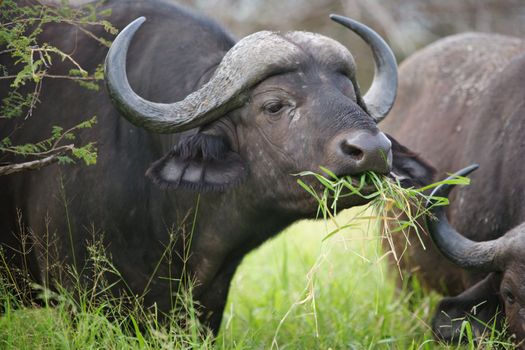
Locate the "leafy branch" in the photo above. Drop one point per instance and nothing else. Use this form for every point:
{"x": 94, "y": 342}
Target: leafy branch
{"x": 50, "y": 150}
{"x": 30, "y": 61}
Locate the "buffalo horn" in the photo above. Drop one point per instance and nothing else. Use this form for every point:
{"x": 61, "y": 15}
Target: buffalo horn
{"x": 248, "y": 62}
{"x": 456, "y": 247}
{"x": 381, "y": 95}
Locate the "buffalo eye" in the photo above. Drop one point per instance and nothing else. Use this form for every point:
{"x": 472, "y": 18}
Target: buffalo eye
{"x": 273, "y": 107}
{"x": 509, "y": 297}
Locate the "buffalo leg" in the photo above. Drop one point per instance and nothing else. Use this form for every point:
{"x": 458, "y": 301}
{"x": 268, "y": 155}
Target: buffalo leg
{"x": 214, "y": 299}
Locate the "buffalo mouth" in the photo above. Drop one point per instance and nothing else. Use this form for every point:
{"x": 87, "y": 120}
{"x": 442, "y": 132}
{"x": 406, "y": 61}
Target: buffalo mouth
{"x": 356, "y": 189}
{"x": 335, "y": 191}
{"x": 365, "y": 183}
{"x": 363, "y": 187}
{"x": 358, "y": 194}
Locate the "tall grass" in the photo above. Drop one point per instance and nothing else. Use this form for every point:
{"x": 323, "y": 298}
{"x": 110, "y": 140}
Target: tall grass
{"x": 300, "y": 292}
{"x": 295, "y": 292}
{"x": 319, "y": 285}
{"x": 88, "y": 314}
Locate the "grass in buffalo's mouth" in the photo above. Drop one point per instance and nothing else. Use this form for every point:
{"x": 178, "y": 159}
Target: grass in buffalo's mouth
{"x": 397, "y": 207}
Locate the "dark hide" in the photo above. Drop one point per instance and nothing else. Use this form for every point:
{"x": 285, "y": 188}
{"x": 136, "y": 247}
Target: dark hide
{"x": 461, "y": 101}
{"x": 225, "y": 187}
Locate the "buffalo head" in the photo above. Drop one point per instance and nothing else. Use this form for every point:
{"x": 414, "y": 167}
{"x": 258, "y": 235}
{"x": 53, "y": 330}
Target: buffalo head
{"x": 503, "y": 290}
{"x": 277, "y": 104}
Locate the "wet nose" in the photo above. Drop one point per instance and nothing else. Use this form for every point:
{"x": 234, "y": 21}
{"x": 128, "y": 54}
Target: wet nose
{"x": 367, "y": 152}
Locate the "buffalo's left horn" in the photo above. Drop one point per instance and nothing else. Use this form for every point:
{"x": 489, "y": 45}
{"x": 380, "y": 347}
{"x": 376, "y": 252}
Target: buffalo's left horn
{"x": 456, "y": 247}
{"x": 380, "y": 98}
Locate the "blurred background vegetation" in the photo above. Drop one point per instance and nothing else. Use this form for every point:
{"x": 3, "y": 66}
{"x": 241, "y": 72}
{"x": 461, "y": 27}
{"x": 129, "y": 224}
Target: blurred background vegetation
{"x": 407, "y": 25}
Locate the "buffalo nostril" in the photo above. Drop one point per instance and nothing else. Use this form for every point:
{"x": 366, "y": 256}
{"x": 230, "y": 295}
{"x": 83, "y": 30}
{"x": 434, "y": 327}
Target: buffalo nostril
{"x": 362, "y": 151}
{"x": 355, "y": 152}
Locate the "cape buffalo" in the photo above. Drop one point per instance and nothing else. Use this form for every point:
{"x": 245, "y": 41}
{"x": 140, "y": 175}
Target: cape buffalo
{"x": 461, "y": 101}
{"x": 249, "y": 115}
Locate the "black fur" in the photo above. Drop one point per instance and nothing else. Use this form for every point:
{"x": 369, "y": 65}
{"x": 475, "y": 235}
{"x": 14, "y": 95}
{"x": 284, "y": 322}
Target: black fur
{"x": 201, "y": 146}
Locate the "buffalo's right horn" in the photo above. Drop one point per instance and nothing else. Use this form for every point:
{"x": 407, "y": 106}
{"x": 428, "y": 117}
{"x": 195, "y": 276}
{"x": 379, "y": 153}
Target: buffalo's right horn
{"x": 456, "y": 247}
{"x": 248, "y": 62}
{"x": 381, "y": 95}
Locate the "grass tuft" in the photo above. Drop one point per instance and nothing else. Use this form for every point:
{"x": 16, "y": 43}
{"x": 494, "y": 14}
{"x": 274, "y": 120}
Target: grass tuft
{"x": 398, "y": 208}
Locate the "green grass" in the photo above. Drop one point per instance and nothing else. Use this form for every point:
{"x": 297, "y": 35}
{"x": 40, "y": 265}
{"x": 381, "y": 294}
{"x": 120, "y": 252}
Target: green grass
{"x": 300, "y": 292}
{"x": 319, "y": 285}
{"x": 390, "y": 202}
{"x": 297, "y": 291}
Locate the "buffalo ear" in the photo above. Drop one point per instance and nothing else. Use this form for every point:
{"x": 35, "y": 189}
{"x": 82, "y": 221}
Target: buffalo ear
{"x": 199, "y": 162}
{"x": 480, "y": 305}
{"x": 411, "y": 168}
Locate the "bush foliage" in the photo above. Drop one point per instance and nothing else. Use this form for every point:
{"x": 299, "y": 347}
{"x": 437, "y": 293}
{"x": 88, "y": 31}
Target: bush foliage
{"x": 29, "y": 62}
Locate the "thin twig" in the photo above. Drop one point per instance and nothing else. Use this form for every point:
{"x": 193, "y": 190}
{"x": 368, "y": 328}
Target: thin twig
{"x": 43, "y": 75}
{"x": 62, "y": 54}
{"x": 38, "y": 154}
{"x": 34, "y": 99}
{"x": 87, "y": 32}
{"x": 68, "y": 77}
{"x": 6, "y": 51}
{"x": 64, "y": 135}
{"x": 35, "y": 164}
